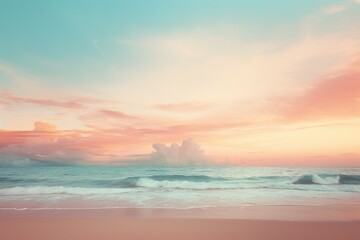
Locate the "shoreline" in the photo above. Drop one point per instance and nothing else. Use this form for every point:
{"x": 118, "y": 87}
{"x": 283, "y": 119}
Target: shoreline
{"x": 320, "y": 222}
{"x": 321, "y": 212}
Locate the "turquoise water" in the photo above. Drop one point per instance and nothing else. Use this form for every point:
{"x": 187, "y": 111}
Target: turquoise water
{"x": 174, "y": 187}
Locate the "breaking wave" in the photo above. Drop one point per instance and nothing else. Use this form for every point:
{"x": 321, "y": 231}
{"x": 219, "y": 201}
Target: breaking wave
{"x": 170, "y": 181}
{"x": 329, "y": 179}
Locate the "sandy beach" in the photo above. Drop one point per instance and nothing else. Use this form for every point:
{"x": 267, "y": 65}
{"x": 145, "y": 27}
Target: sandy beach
{"x": 211, "y": 229}
{"x": 250, "y": 223}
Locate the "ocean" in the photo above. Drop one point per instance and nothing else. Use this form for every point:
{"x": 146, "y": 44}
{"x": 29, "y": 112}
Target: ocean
{"x": 174, "y": 187}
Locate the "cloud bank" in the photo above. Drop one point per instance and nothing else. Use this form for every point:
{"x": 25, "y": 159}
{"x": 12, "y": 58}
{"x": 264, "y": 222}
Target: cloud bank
{"x": 187, "y": 153}
{"x": 45, "y": 145}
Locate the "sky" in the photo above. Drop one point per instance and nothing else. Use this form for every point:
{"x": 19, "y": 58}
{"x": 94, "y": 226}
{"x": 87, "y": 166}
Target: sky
{"x": 191, "y": 82}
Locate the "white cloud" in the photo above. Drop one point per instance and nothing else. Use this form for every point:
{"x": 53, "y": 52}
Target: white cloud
{"x": 187, "y": 153}
{"x": 335, "y": 9}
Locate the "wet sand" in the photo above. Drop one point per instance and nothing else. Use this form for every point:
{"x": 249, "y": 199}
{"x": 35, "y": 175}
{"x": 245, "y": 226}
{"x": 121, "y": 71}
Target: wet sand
{"x": 251, "y": 223}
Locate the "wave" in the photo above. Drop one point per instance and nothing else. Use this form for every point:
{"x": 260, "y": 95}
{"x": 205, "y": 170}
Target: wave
{"x": 46, "y": 190}
{"x": 150, "y": 183}
{"x": 190, "y": 178}
{"x": 329, "y": 179}
{"x": 172, "y": 182}
{"x": 165, "y": 180}
{"x": 18, "y": 180}
{"x": 195, "y": 182}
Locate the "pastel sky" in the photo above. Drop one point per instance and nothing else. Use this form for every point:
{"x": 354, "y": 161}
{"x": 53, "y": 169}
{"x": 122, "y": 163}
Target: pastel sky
{"x": 264, "y": 83}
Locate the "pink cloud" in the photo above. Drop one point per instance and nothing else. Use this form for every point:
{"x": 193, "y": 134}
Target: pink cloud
{"x": 58, "y": 146}
{"x": 107, "y": 119}
{"x": 8, "y": 98}
{"x": 124, "y": 147}
{"x": 331, "y": 96}
{"x": 115, "y": 114}
{"x": 44, "y": 126}
{"x": 184, "y": 107}
{"x": 9, "y": 138}
{"x": 46, "y": 144}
